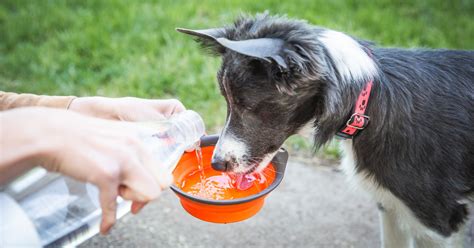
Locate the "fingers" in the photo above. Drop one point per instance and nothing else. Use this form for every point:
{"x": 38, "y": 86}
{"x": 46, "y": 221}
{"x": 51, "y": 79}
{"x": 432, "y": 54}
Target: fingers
{"x": 125, "y": 168}
{"x": 133, "y": 195}
{"x": 138, "y": 201}
{"x": 108, "y": 203}
{"x": 169, "y": 107}
{"x": 154, "y": 169}
{"x": 139, "y": 177}
{"x": 137, "y": 206}
{"x": 131, "y": 179}
{"x": 135, "y": 182}
{"x": 178, "y": 107}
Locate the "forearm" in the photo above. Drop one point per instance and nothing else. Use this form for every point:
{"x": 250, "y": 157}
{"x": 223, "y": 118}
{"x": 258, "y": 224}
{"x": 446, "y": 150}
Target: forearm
{"x": 13, "y": 100}
{"x": 22, "y": 142}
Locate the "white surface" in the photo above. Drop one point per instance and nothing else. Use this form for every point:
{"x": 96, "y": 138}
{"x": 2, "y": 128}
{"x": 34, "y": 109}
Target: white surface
{"x": 16, "y": 229}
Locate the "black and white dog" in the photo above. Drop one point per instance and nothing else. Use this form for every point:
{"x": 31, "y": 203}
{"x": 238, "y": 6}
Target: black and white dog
{"x": 416, "y": 156}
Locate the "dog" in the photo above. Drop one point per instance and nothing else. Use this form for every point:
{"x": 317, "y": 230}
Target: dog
{"x": 406, "y": 117}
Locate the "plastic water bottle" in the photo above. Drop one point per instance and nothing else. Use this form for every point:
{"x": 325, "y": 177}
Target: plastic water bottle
{"x": 46, "y": 209}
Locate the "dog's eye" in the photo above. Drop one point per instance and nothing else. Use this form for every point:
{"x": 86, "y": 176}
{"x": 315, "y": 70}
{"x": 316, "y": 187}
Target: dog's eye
{"x": 278, "y": 75}
{"x": 248, "y": 108}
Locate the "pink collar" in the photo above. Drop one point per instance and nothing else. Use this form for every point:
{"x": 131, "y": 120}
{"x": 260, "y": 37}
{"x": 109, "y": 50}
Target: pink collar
{"x": 358, "y": 120}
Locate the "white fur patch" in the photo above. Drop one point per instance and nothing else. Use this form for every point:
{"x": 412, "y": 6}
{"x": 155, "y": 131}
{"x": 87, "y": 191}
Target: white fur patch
{"x": 350, "y": 59}
{"x": 229, "y": 146}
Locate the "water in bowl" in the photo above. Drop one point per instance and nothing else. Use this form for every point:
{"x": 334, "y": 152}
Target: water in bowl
{"x": 218, "y": 185}
{"x": 208, "y": 183}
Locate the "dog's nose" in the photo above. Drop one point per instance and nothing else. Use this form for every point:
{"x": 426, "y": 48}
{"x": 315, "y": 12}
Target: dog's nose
{"x": 220, "y": 164}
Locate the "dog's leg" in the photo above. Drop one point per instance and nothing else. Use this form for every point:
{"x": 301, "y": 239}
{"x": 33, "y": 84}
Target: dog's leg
{"x": 392, "y": 235}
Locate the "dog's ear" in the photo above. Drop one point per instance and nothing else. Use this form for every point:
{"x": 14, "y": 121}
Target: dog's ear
{"x": 207, "y": 38}
{"x": 268, "y": 49}
{"x": 210, "y": 34}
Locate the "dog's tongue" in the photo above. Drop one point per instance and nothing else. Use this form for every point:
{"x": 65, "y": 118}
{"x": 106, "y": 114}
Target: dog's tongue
{"x": 243, "y": 182}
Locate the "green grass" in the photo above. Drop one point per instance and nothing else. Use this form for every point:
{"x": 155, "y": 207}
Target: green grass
{"x": 130, "y": 48}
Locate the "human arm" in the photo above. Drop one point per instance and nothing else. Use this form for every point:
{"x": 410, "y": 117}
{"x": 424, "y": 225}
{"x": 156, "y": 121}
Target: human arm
{"x": 123, "y": 108}
{"x": 105, "y": 153}
{"x": 9, "y": 100}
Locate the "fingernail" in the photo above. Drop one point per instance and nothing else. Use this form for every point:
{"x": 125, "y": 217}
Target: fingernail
{"x": 134, "y": 208}
{"x": 137, "y": 207}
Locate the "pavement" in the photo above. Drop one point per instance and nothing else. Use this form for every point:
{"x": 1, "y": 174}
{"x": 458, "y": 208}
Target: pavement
{"x": 313, "y": 207}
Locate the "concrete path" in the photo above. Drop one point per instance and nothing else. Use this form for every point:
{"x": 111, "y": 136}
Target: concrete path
{"x": 313, "y": 207}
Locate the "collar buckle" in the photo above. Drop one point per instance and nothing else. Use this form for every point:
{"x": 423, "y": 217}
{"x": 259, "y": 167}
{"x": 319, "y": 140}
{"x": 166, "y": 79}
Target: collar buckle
{"x": 358, "y": 121}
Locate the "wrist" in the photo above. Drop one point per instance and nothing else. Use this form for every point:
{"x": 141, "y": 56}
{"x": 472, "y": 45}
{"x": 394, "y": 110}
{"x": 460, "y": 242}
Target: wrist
{"x": 24, "y": 142}
{"x": 27, "y": 130}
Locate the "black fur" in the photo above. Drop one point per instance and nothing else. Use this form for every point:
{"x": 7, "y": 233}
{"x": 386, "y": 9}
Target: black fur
{"x": 420, "y": 140}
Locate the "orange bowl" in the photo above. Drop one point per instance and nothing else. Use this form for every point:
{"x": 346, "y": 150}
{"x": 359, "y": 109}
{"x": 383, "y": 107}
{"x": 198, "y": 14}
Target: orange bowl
{"x": 222, "y": 211}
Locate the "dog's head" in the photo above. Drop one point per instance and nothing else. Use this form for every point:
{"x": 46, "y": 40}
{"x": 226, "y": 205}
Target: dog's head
{"x": 267, "y": 74}
{"x": 274, "y": 77}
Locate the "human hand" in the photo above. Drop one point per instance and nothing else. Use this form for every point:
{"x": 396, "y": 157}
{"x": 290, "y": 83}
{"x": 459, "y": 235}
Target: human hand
{"x": 105, "y": 153}
{"x": 126, "y": 108}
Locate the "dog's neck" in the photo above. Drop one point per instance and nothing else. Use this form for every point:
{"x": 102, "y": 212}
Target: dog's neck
{"x": 350, "y": 67}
